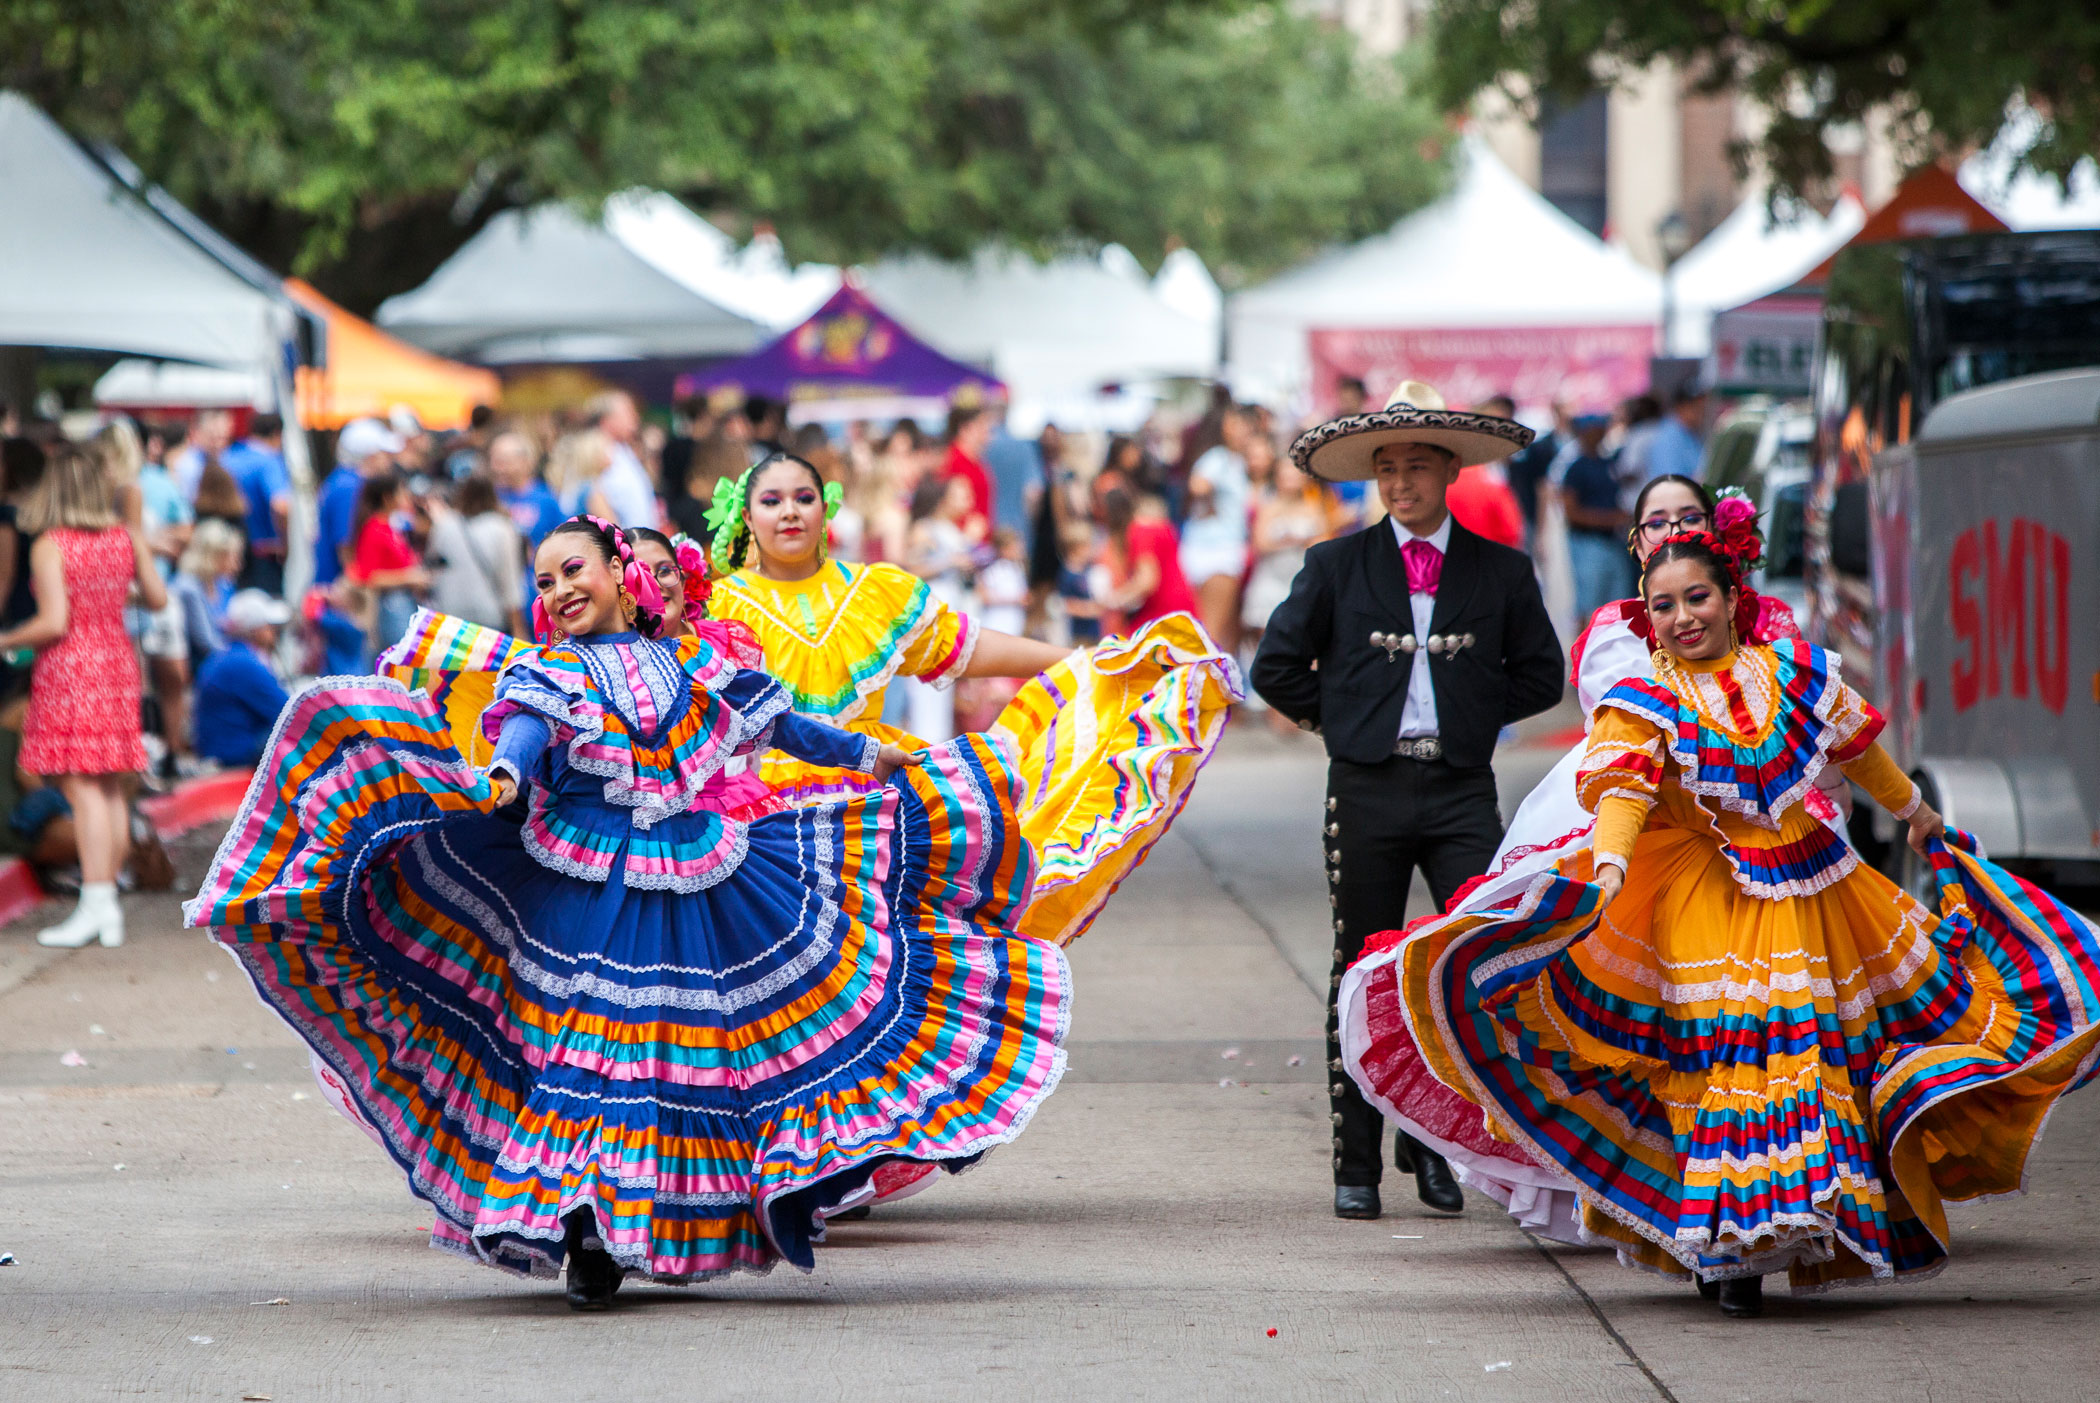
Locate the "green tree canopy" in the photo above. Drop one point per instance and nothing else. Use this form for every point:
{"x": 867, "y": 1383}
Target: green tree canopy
{"x": 361, "y": 141}
{"x": 1946, "y": 71}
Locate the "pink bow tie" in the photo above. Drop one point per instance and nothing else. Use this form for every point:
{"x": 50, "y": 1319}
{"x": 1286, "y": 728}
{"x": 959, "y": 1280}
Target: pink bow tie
{"x": 1425, "y": 566}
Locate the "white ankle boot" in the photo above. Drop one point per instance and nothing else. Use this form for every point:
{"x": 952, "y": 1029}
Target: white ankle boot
{"x": 97, "y": 917}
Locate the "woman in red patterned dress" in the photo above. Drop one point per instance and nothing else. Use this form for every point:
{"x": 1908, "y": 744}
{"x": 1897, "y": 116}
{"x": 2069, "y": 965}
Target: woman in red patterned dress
{"x": 82, "y": 729}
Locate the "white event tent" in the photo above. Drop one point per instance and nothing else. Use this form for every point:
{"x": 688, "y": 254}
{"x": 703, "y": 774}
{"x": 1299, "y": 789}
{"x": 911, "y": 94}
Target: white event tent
{"x": 91, "y": 265}
{"x": 1490, "y": 289}
{"x": 1749, "y": 254}
{"x": 1184, "y": 283}
{"x": 545, "y": 285}
{"x": 754, "y": 281}
{"x": 1059, "y": 334}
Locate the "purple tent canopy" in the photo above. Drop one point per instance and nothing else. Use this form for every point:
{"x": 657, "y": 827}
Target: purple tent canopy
{"x": 849, "y": 349}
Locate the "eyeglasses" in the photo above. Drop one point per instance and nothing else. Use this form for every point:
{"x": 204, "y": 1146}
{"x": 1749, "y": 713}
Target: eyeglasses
{"x": 1657, "y": 527}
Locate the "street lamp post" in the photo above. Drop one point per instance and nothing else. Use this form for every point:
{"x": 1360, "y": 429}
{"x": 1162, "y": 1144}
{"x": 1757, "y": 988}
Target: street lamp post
{"x": 1674, "y": 237}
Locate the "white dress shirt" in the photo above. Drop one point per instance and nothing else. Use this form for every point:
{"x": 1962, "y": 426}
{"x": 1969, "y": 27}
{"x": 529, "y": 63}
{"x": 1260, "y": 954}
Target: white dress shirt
{"x": 1418, "y": 715}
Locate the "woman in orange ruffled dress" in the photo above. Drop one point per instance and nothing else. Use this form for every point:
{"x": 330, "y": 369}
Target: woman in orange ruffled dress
{"x": 1749, "y": 1052}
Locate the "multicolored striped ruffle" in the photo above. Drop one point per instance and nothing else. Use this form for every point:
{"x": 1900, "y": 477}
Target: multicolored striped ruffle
{"x": 712, "y": 1074}
{"x": 1110, "y": 742}
{"x": 1813, "y": 1117}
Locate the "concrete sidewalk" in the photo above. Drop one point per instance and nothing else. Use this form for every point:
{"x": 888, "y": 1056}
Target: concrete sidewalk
{"x": 1169, "y": 1207}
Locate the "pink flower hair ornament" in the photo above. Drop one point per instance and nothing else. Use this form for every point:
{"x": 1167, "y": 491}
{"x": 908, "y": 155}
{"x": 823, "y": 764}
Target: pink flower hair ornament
{"x": 692, "y": 566}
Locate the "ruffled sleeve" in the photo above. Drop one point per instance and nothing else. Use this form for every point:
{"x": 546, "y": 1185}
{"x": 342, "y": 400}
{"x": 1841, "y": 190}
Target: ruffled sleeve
{"x": 940, "y": 651}
{"x": 1622, "y": 767}
{"x": 1854, "y": 725}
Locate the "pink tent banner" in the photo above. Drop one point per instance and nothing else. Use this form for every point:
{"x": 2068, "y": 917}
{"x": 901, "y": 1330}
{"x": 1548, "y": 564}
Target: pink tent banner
{"x": 1581, "y": 366}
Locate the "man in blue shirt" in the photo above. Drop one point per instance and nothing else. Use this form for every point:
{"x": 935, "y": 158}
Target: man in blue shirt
{"x": 1016, "y": 467}
{"x": 1589, "y": 490}
{"x": 514, "y": 465}
{"x": 238, "y": 697}
{"x": 365, "y": 448}
{"x": 257, "y": 466}
{"x": 1676, "y": 446}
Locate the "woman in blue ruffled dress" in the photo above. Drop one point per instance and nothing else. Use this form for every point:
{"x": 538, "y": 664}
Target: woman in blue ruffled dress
{"x": 605, "y": 1029}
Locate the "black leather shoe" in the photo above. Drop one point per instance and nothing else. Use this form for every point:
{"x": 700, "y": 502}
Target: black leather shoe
{"x": 1403, "y": 1152}
{"x": 1359, "y": 1201}
{"x": 592, "y": 1280}
{"x": 1743, "y": 1297}
{"x": 592, "y": 1276}
{"x": 853, "y": 1215}
{"x": 1434, "y": 1184}
{"x": 1709, "y": 1290}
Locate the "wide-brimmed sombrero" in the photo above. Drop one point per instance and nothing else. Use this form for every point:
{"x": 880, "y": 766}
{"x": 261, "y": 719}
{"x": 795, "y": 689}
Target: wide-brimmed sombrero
{"x": 1340, "y": 450}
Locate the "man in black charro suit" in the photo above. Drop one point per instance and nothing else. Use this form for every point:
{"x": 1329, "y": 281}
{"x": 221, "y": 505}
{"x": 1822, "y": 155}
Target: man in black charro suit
{"x": 1408, "y": 646}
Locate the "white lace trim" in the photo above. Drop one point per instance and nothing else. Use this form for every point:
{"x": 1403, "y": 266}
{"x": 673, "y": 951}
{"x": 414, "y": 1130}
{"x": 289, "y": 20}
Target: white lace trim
{"x": 686, "y": 883}
{"x": 620, "y": 788}
{"x": 1909, "y": 811}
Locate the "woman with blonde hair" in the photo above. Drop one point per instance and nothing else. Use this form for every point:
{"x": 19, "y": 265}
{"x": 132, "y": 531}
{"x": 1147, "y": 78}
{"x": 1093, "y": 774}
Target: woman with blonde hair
{"x": 82, "y": 728}
{"x": 574, "y": 466}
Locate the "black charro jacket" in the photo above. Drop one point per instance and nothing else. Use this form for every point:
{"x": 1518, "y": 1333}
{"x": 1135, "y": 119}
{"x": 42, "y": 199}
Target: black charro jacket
{"x": 1356, "y": 586}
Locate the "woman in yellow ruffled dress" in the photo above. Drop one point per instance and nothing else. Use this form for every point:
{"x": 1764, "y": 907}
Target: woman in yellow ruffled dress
{"x": 1109, "y": 740}
{"x": 1749, "y": 1051}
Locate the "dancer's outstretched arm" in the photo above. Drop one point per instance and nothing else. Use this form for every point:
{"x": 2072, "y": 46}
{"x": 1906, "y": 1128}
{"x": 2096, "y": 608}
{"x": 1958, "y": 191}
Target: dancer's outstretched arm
{"x": 1003, "y": 655}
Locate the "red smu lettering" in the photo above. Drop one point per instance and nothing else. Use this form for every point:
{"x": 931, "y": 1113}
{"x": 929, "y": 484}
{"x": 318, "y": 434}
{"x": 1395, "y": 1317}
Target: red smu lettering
{"x": 1964, "y": 564}
{"x": 2000, "y": 625}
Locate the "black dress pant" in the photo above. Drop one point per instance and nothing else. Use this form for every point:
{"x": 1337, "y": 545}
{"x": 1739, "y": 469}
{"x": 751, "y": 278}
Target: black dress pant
{"x": 1383, "y": 822}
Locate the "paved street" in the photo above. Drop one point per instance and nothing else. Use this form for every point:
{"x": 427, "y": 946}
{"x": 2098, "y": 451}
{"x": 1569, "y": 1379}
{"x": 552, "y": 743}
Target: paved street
{"x": 190, "y": 1221}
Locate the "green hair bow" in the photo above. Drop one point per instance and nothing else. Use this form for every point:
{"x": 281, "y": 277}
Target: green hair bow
{"x": 725, "y": 512}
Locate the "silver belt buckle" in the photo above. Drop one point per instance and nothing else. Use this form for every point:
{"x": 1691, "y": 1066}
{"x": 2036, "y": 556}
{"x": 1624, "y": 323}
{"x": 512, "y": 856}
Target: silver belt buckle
{"x": 1419, "y": 747}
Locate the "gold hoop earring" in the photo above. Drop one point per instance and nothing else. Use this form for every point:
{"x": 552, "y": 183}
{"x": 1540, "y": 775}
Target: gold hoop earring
{"x": 628, "y": 606}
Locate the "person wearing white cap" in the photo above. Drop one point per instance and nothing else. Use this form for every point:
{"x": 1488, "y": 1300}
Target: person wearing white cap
{"x": 238, "y": 697}
{"x": 1407, "y": 647}
{"x": 364, "y": 448}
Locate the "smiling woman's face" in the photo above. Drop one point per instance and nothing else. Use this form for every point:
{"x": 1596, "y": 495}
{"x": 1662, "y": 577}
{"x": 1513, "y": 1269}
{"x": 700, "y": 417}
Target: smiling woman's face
{"x": 577, "y": 586}
{"x": 785, "y": 511}
{"x": 1690, "y": 610}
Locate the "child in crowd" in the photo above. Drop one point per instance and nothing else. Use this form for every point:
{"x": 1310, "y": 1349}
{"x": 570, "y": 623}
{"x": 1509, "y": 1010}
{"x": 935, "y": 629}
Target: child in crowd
{"x": 202, "y": 585}
{"x": 1002, "y": 585}
{"x": 1076, "y": 584}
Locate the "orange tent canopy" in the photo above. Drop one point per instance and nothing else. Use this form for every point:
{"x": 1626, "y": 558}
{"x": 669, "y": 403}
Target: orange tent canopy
{"x": 1929, "y": 204}
{"x": 369, "y": 372}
